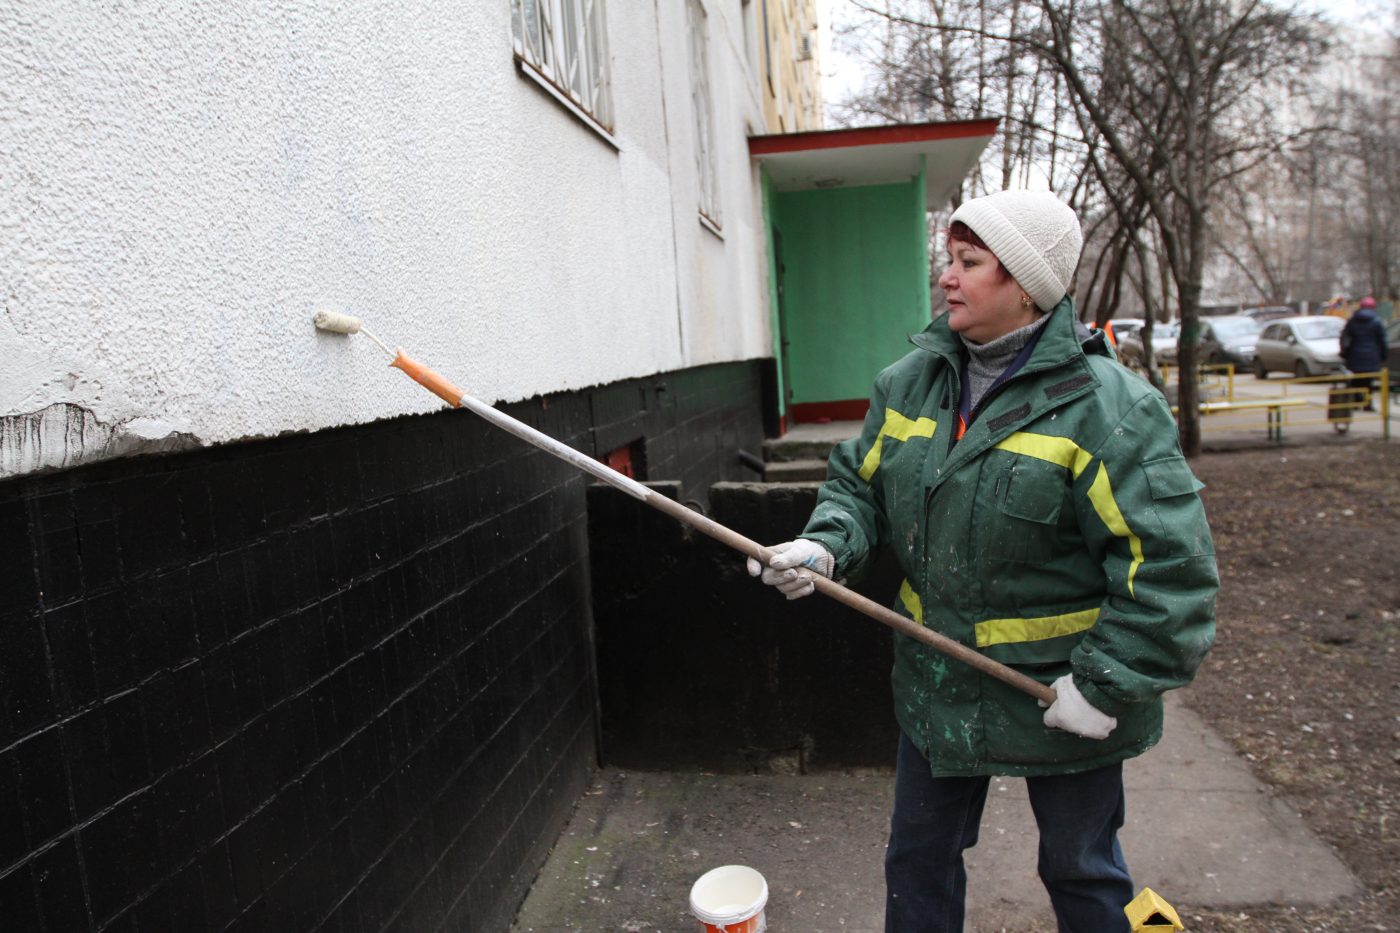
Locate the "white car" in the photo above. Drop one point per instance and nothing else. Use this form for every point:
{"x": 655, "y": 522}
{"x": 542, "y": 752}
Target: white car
{"x": 1125, "y": 326}
{"x": 1304, "y": 346}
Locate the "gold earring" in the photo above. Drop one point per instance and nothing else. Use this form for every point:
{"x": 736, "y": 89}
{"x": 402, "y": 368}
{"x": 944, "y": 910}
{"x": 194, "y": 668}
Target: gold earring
{"x": 1026, "y": 302}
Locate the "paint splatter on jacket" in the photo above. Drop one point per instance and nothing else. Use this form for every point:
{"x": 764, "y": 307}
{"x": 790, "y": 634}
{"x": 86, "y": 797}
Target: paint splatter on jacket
{"x": 1062, "y": 533}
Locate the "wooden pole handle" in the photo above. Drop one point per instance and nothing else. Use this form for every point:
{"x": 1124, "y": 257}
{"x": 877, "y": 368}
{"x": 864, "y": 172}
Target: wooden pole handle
{"x": 849, "y": 597}
{"x": 454, "y": 396}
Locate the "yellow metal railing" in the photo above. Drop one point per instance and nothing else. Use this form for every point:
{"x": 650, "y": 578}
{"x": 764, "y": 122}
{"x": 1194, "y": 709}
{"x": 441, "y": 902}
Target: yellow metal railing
{"x": 1343, "y": 404}
{"x": 1211, "y": 377}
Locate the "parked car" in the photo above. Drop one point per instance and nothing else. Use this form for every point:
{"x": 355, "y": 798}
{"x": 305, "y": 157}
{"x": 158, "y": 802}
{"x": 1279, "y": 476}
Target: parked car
{"x": 1270, "y": 313}
{"x": 1228, "y": 339}
{"x": 1125, "y": 327}
{"x": 1164, "y": 336}
{"x": 1304, "y": 346}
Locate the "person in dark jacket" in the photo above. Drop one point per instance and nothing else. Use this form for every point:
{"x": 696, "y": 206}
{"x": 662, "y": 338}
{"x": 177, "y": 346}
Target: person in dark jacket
{"x": 1034, "y": 493}
{"x": 1364, "y": 349}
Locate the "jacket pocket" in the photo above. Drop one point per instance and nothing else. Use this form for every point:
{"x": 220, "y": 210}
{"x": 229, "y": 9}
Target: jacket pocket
{"x": 1169, "y": 477}
{"x": 1181, "y": 522}
{"x": 1028, "y": 495}
{"x": 1016, "y": 734}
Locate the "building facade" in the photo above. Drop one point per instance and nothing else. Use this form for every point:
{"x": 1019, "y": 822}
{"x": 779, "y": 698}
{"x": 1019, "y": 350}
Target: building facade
{"x": 788, "y": 55}
{"x": 283, "y": 644}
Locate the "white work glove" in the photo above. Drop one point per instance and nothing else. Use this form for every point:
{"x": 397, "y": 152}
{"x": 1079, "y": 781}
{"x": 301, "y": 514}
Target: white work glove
{"x": 1072, "y": 713}
{"x": 792, "y": 567}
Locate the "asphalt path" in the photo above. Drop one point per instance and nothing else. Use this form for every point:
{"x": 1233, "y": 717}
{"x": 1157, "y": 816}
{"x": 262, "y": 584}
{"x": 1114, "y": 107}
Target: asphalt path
{"x": 1201, "y": 831}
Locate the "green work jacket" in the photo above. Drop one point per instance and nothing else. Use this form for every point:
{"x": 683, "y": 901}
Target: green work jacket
{"x": 1062, "y": 533}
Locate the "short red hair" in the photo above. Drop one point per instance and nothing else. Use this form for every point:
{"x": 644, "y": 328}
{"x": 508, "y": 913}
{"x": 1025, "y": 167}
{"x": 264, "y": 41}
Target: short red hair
{"x": 962, "y": 233}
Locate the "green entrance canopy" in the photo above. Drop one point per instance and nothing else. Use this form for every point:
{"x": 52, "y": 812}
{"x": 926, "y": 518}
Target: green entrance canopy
{"x": 848, "y": 241}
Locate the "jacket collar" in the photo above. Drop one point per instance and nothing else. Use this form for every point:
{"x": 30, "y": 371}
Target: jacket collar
{"x": 1064, "y": 339}
{"x": 1056, "y": 374}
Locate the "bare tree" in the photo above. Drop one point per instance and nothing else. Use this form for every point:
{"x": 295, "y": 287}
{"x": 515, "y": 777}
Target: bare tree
{"x": 1269, "y": 229}
{"x": 947, "y": 60}
{"x": 1185, "y": 96}
{"x": 1323, "y": 217}
{"x": 1156, "y": 105}
{"x": 1370, "y": 159}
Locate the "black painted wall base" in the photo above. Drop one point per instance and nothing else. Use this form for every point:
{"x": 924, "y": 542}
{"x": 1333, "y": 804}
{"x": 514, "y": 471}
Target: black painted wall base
{"x": 330, "y": 682}
{"x": 701, "y": 666}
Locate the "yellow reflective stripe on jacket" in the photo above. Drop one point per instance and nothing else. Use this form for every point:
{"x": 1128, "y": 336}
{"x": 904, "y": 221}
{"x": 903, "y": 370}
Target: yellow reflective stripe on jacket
{"x": 1011, "y": 631}
{"x": 911, "y": 602}
{"x": 1076, "y": 459}
{"x": 1101, "y": 497}
{"x": 901, "y": 429}
{"x": 1059, "y": 450}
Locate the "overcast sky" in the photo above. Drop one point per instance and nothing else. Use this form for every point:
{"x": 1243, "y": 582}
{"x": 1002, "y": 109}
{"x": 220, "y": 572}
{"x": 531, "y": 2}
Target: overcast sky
{"x": 842, "y": 75}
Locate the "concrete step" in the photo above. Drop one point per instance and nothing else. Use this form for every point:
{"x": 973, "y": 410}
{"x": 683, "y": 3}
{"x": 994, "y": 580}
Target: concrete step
{"x": 787, "y": 449}
{"x": 794, "y": 471}
{"x": 809, "y": 441}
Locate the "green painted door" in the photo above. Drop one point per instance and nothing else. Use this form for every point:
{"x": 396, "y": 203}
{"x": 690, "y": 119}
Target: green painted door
{"x": 852, "y": 284}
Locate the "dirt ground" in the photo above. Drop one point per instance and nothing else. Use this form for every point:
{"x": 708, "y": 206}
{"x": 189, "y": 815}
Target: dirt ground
{"x": 1304, "y": 678}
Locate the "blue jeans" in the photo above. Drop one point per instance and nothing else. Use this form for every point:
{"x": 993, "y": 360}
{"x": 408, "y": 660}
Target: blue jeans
{"x": 936, "y": 818}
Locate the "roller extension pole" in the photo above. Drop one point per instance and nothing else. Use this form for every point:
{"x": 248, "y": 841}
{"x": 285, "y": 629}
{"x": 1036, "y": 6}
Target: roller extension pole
{"x": 449, "y": 393}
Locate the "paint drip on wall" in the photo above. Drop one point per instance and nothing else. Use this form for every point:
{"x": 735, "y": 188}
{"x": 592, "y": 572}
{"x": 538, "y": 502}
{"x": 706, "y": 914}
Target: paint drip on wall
{"x": 64, "y": 435}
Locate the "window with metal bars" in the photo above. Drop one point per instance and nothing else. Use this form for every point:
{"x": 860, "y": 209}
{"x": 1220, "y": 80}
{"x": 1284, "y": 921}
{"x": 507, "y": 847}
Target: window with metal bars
{"x": 564, "y": 43}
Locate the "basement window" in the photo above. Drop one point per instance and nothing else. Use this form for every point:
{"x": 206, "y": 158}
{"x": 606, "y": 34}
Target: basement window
{"x": 629, "y": 460}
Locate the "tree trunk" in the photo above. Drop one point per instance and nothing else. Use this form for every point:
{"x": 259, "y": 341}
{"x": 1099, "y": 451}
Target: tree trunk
{"x": 1188, "y": 394}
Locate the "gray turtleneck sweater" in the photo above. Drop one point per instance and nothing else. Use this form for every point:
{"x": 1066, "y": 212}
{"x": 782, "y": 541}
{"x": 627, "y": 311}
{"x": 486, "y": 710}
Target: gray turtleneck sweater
{"x": 987, "y": 361}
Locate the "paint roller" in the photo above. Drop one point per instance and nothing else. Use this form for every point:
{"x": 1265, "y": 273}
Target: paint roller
{"x": 336, "y": 323}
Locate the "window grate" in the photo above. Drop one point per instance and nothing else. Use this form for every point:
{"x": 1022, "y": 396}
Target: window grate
{"x": 707, "y": 169}
{"x": 565, "y": 42}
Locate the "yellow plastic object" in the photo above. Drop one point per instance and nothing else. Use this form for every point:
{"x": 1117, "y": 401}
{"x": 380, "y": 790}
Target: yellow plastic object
{"x": 1148, "y": 911}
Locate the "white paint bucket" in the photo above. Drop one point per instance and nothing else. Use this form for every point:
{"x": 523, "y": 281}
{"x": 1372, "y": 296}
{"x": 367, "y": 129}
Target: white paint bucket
{"x": 730, "y": 899}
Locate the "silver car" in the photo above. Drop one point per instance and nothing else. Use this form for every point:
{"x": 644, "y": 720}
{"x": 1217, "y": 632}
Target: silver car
{"x": 1303, "y": 346}
{"x": 1164, "y": 337}
{"x": 1228, "y": 339}
{"x": 1125, "y": 327}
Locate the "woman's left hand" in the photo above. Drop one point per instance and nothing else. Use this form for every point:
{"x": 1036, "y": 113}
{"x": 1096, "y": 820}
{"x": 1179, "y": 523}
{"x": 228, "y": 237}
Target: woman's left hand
{"x": 1072, "y": 713}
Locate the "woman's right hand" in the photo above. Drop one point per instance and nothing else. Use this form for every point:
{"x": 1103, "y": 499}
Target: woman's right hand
{"x": 792, "y": 566}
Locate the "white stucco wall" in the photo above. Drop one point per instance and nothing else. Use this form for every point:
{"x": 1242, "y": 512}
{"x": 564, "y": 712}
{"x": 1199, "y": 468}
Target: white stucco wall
{"x": 185, "y": 183}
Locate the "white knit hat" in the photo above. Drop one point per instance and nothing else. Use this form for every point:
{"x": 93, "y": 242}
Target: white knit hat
{"x": 1034, "y": 234}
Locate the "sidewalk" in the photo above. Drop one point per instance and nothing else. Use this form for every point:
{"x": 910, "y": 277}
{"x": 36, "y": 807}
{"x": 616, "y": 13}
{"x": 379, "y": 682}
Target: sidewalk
{"x": 1219, "y": 432}
{"x": 1201, "y": 832}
